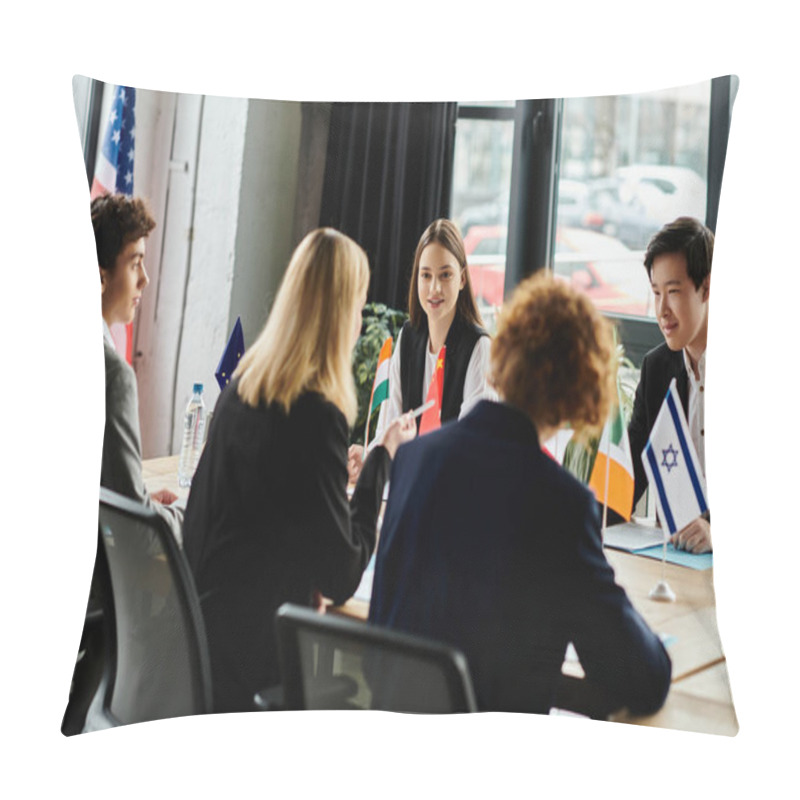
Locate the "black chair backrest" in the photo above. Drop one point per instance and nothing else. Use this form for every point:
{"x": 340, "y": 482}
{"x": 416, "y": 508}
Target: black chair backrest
{"x": 328, "y": 661}
{"x": 158, "y": 665}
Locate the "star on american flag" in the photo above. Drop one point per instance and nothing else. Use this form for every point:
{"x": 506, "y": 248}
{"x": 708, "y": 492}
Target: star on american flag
{"x": 114, "y": 172}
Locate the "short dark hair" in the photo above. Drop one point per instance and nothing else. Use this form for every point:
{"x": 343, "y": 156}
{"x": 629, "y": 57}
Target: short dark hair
{"x": 118, "y": 220}
{"x": 443, "y": 232}
{"x": 688, "y": 236}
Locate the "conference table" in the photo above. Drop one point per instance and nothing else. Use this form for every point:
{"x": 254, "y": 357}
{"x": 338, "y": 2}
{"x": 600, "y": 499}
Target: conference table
{"x": 699, "y": 699}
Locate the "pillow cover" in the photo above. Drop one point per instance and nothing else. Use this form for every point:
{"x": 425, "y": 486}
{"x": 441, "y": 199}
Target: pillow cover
{"x": 247, "y": 179}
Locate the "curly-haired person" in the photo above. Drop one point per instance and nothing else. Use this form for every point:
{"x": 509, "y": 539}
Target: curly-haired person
{"x": 490, "y": 546}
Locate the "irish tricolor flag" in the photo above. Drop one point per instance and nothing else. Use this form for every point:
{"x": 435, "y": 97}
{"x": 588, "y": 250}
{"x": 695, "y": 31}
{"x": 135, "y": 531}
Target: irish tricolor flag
{"x": 380, "y": 386}
{"x": 612, "y": 474}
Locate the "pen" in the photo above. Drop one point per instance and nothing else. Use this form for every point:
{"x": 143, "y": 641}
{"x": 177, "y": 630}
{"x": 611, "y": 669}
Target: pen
{"x": 421, "y": 410}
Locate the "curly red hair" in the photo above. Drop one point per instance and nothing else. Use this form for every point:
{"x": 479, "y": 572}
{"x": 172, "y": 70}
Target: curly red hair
{"x": 554, "y": 355}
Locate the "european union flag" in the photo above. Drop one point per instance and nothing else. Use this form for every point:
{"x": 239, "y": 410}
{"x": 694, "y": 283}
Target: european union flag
{"x": 230, "y": 358}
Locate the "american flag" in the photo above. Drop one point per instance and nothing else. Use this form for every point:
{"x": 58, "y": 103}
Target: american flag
{"x": 114, "y": 169}
{"x": 114, "y": 173}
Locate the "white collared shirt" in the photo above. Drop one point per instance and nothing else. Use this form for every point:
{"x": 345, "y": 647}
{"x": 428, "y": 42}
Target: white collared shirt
{"x": 696, "y": 416}
{"x": 476, "y": 382}
{"x": 107, "y": 333}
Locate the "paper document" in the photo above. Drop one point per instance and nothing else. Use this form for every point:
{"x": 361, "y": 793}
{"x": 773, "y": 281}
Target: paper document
{"x": 632, "y": 536}
{"x": 681, "y": 557}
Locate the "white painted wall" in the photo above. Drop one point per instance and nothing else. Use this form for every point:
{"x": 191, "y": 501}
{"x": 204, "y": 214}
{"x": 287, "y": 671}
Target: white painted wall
{"x": 160, "y": 317}
{"x": 221, "y": 177}
{"x": 265, "y": 238}
{"x": 206, "y": 309}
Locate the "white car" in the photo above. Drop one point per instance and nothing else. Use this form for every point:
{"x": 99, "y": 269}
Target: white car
{"x": 666, "y": 192}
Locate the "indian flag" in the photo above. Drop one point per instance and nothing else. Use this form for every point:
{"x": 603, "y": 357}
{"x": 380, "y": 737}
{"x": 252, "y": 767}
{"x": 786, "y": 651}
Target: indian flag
{"x": 612, "y": 474}
{"x": 380, "y": 386}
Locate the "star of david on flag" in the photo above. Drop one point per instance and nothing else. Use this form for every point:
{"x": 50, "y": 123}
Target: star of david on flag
{"x": 231, "y": 355}
{"x": 672, "y": 467}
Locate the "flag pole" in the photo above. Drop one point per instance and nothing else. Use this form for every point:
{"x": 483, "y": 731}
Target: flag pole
{"x": 605, "y": 491}
{"x": 369, "y": 414}
{"x": 662, "y": 591}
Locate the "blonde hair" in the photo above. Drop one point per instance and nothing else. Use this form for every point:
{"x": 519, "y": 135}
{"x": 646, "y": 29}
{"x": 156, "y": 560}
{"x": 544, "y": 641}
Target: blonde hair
{"x": 306, "y": 343}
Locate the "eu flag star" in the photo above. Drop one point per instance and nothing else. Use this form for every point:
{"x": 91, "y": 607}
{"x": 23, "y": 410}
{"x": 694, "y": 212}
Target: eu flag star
{"x": 231, "y": 355}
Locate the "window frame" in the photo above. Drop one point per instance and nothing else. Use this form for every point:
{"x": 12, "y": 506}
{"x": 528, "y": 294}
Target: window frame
{"x": 533, "y": 197}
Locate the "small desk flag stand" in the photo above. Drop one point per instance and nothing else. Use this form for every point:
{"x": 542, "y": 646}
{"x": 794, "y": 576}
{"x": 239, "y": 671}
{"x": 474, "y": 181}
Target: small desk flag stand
{"x": 662, "y": 592}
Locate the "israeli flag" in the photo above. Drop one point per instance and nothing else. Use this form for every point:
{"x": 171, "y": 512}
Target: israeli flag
{"x": 672, "y": 466}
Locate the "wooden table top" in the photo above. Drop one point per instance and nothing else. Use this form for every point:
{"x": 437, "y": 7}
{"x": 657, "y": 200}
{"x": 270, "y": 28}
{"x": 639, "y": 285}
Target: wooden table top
{"x": 699, "y": 699}
{"x": 162, "y": 473}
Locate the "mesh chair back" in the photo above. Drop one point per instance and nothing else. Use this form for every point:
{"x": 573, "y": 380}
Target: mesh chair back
{"x": 159, "y": 665}
{"x": 329, "y": 662}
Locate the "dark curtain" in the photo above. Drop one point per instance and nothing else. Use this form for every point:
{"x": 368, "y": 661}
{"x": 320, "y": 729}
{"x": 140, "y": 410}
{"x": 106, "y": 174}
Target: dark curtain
{"x": 388, "y": 174}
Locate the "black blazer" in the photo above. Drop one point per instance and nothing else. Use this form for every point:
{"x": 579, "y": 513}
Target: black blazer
{"x": 268, "y": 522}
{"x": 487, "y": 544}
{"x": 659, "y": 367}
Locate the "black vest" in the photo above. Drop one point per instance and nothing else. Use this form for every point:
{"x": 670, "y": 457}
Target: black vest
{"x": 461, "y": 340}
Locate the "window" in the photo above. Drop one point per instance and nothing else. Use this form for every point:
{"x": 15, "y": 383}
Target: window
{"x": 624, "y": 166}
{"x": 634, "y": 162}
{"x": 481, "y": 184}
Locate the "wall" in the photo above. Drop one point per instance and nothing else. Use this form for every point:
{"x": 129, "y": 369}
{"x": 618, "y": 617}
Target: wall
{"x": 265, "y": 238}
{"x": 234, "y": 184}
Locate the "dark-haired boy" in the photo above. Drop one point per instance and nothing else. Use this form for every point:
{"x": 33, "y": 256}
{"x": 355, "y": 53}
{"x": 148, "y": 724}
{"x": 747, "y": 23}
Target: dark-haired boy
{"x": 678, "y": 263}
{"x": 121, "y": 225}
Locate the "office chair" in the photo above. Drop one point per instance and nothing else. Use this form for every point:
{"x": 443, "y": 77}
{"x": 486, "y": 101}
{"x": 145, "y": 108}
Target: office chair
{"x": 157, "y": 663}
{"x": 330, "y": 662}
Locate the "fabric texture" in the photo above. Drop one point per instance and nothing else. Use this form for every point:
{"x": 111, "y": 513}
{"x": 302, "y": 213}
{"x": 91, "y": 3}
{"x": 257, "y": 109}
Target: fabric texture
{"x": 489, "y": 545}
{"x": 388, "y": 173}
{"x": 268, "y": 522}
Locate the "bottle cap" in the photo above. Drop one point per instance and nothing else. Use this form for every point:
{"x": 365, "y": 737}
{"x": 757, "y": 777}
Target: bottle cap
{"x": 197, "y": 388}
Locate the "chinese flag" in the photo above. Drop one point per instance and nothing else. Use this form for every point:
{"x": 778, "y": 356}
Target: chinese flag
{"x": 432, "y": 418}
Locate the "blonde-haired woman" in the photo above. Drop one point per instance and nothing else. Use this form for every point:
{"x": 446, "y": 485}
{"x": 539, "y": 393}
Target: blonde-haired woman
{"x": 268, "y": 519}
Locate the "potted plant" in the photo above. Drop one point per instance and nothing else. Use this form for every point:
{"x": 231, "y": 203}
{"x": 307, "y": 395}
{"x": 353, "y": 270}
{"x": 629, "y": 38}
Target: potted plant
{"x": 580, "y": 452}
{"x": 379, "y": 321}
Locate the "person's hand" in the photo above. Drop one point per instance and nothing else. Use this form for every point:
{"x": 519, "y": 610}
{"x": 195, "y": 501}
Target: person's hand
{"x": 164, "y": 496}
{"x": 355, "y": 460}
{"x": 400, "y": 431}
{"x": 695, "y": 537}
{"x": 318, "y": 601}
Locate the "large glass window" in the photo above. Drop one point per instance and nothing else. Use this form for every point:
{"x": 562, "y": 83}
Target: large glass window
{"x": 629, "y": 164}
{"x": 481, "y": 187}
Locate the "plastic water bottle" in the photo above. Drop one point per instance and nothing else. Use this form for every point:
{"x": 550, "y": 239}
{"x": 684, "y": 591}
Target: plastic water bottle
{"x": 194, "y": 425}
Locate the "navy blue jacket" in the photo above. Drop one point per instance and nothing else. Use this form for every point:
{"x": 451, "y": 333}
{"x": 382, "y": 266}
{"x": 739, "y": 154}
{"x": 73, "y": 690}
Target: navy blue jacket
{"x": 490, "y": 546}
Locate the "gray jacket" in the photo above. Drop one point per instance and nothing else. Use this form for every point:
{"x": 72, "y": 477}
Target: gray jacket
{"x": 121, "y": 468}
